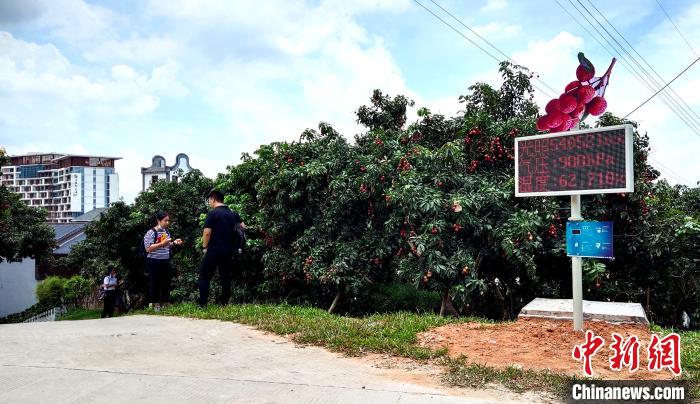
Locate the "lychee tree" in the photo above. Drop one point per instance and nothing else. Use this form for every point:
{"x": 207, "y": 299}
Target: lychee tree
{"x": 460, "y": 230}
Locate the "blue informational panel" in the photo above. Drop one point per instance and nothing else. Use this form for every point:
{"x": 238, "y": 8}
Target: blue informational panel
{"x": 589, "y": 239}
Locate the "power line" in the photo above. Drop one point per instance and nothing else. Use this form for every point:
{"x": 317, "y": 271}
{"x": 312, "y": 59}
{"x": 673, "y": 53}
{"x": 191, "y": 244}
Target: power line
{"x": 678, "y": 101}
{"x": 674, "y": 79}
{"x": 630, "y": 68}
{"x": 686, "y": 118}
{"x": 677, "y": 29}
{"x": 626, "y": 64}
{"x": 470, "y": 40}
{"x": 669, "y": 172}
{"x": 489, "y": 43}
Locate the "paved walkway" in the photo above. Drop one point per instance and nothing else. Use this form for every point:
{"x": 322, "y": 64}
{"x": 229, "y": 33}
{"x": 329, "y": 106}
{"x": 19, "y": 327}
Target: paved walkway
{"x": 175, "y": 360}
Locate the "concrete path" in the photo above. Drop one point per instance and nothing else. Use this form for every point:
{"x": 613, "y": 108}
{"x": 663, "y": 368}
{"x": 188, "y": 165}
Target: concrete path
{"x": 175, "y": 360}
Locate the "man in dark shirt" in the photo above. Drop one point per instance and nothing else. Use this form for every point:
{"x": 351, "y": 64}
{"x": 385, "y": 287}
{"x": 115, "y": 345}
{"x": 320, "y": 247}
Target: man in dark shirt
{"x": 218, "y": 242}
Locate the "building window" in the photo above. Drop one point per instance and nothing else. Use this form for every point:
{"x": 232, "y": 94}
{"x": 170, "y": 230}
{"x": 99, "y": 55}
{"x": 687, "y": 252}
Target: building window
{"x": 154, "y": 178}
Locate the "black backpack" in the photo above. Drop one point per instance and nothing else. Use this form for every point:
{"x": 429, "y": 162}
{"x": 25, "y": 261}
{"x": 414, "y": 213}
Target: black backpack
{"x": 240, "y": 239}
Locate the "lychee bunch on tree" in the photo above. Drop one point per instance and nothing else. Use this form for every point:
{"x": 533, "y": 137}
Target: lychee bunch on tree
{"x": 582, "y": 97}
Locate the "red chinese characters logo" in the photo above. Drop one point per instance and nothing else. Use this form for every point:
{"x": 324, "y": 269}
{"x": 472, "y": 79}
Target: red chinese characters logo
{"x": 626, "y": 354}
{"x": 586, "y": 351}
{"x": 663, "y": 353}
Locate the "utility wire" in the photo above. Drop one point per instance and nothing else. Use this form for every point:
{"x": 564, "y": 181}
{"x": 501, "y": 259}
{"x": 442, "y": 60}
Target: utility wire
{"x": 668, "y": 172}
{"x": 674, "y": 79}
{"x": 472, "y": 42}
{"x": 489, "y": 43}
{"x": 688, "y": 112}
{"x": 630, "y": 67}
{"x": 686, "y": 118}
{"x": 677, "y": 29}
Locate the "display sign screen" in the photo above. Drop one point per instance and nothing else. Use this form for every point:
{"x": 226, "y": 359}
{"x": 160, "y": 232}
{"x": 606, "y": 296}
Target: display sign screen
{"x": 591, "y": 161}
{"x": 589, "y": 239}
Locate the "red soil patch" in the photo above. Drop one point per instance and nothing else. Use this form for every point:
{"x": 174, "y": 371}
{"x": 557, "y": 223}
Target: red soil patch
{"x": 540, "y": 344}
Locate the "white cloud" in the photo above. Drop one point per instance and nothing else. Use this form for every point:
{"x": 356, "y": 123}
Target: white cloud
{"x": 215, "y": 78}
{"x": 494, "y": 5}
{"x": 74, "y": 20}
{"x": 43, "y": 76}
{"x": 498, "y": 31}
{"x": 152, "y": 49}
{"x": 553, "y": 61}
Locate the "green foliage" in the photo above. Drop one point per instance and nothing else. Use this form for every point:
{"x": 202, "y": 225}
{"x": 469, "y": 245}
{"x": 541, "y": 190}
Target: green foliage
{"x": 32, "y": 311}
{"x": 397, "y": 296}
{"x": 429, "y": 204}
{"x": 78, "y": 313}
{"x": 23, "y": 229}
{"x": 4, "y": 158}
{"x": 50, "y": 291}
{"x": 76, "y": 289}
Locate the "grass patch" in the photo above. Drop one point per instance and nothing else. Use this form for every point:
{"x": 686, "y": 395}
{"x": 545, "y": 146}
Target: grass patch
{"x": 690, "y": 356}
{"x": 690, "y": 360}
{"x": 393, "y": 333}
{"x": 81, "y": 314}
{"x": 461, "y": 373}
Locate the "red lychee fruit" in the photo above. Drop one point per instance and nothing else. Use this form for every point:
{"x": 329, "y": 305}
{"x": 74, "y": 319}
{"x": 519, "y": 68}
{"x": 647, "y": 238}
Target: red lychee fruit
{"x": 571, "y": 86}
{"x": 556, "y": 119}
{"x": 579, "y": 110}
{"x": 597, "y": 106}
{"x": 584, "y": 75}
{"x": 585, "y": 94}
{"x": 567, "y": 103}
{"x": 552, "y": 106}
{"x": 543, "y": 122}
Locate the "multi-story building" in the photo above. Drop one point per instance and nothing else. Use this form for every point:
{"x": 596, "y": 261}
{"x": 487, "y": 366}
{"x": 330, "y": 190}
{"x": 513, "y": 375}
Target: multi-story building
{"x": 159, "y": 171}
{"x": 66, "y": 185}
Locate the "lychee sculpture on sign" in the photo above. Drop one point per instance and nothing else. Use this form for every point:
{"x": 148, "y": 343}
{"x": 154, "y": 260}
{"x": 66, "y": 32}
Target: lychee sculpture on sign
{"x": 582, "y": 97}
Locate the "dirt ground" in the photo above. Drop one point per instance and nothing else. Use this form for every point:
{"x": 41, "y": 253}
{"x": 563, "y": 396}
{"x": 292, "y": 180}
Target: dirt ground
{"x": 540, "y": 344}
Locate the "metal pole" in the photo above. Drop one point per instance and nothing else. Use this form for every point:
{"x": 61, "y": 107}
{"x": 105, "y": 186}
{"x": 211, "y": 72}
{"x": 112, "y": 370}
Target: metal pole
{"x": 576, "y": 272}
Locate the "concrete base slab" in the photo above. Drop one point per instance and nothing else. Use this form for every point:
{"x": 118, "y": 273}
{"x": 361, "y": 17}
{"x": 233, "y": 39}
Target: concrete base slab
{"x": 562, "y": 309}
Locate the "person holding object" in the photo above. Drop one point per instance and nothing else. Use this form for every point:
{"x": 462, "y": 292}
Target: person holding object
{"x": 109, "y": 285}
{"x": 157, "y": 243}
{"x": 218, "y": 241}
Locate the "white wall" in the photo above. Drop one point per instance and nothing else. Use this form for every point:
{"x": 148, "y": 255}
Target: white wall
{"x": 17, "y": 286}
{"x": 113, "y": 187}
{"x": 161, "y": 177}
{"x": 76, "y": 194}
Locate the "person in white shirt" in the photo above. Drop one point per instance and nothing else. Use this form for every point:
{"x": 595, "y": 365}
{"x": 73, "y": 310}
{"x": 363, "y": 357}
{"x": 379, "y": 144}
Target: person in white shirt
{"x": 110, "y": 287}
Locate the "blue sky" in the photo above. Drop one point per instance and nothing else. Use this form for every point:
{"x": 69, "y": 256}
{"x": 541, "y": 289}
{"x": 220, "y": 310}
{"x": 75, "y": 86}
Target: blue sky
{"x": 217, "y": 78}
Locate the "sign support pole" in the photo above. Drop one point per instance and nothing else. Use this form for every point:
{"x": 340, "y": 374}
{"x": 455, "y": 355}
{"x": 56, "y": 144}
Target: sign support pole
{"x": 576, "y": 270}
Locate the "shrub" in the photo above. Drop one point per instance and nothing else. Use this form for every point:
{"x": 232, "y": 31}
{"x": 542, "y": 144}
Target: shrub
{"x": 50, "y": 291}
{"x": 401, "y": 297}
{"x": 76, "y": 289}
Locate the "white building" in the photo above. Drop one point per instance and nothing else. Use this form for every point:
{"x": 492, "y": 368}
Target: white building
{"x": 18, "y": 280}
{"x": 159, "y": 171}
{"x": 66, "y": 185}
{"x": 17, "y": 286}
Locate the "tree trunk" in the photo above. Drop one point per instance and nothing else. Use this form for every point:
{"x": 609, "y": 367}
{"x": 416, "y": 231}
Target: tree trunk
{"x": 335, "y": 302}
{"x": 502, "y": 302}
{"x": 447, "y": 308}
